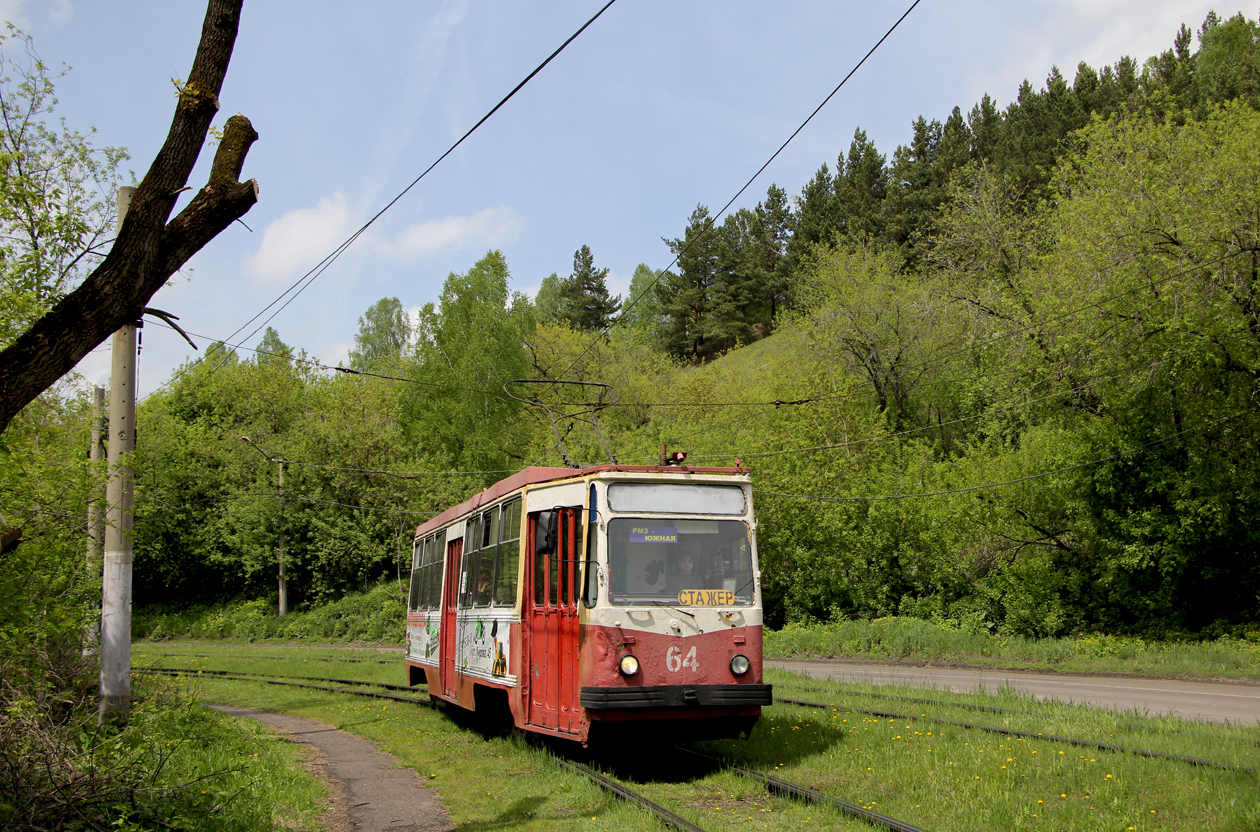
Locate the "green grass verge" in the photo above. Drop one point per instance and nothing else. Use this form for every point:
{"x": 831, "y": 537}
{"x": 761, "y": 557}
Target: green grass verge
{"x": 940, "y": 777}
{"x": 379, "y": 617}
{"x": 916, "y": 640}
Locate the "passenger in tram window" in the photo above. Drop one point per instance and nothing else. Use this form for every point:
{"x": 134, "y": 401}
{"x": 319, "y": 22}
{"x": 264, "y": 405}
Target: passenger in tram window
{"x": 485, "y": 584}
{"x": 686, "y": 575}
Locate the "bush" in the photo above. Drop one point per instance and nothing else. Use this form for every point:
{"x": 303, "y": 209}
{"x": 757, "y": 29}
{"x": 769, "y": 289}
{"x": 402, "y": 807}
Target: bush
{"x": 380, "y": 615}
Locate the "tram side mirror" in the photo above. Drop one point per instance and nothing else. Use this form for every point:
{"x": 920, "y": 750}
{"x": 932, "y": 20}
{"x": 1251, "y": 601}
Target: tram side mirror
{"x": 545, "y": 533}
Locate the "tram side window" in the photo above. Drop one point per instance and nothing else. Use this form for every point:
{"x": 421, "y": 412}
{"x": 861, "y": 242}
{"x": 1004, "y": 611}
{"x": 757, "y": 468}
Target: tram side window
{"x": 433, "y": 570}
{"x": 509, "y": 554}
{"x": 544, "y": 523}
{"x": 416, "y": 596}
{"x": 484, "y": 590}
{"x": 472, "y": 544}
{"x": 591, "y": 595}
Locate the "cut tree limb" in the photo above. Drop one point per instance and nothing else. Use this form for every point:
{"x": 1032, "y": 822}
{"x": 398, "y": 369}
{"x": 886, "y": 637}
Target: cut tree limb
{"x": 150, "y": 246}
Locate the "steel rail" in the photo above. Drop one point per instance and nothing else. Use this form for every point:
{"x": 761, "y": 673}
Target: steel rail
{"x": 630, "y": 795}
{"x": 1028, "y": 734}
{"x": 196, "y": 670}
{"x": 966, "y": 705}
{"x": 274, "y": 680}
{"x": 813, "y": 796}
{"x": 607, "y": 783}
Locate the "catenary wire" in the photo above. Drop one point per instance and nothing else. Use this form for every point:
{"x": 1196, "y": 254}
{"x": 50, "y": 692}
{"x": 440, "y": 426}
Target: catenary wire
{"x": 319, "y": 268}
{"x": 751, "y": 179}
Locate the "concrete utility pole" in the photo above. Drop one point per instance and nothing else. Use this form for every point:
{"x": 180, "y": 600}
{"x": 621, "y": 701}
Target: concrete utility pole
{"x": 284, "y": 590}
{"x": 115, "y": 706}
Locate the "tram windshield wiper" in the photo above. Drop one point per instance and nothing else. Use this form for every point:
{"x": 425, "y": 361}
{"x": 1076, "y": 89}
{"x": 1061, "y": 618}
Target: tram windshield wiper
{"x": 672, "y": 607}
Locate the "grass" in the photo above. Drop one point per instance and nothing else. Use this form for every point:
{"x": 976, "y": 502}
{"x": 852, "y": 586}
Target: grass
{"x": 378, "y": 617}
{"x": 188, "y": 767}
{"x": 235, "y": 775}
{"x": 936, "y": 776}
{"x": 916, "y": 640}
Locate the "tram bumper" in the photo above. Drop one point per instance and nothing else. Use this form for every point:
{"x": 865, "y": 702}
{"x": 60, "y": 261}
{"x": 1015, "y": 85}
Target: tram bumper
{"x": 676, "y": 696}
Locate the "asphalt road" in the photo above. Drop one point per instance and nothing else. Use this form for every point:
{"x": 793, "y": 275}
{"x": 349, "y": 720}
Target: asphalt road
{"x": 1210, "y": 701}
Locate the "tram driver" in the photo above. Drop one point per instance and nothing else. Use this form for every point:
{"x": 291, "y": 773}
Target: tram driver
{"x": 686, "y": 573}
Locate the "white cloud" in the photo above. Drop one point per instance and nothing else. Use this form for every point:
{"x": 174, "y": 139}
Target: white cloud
{"x": 1098, "y": 32}
{"x": 488, "y": 228}
{"x": 298, "y": 240}
{"x": 11, "y": 10}
{"x": 336, "y": 354}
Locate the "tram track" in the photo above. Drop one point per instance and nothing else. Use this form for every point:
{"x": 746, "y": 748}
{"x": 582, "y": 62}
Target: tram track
{"x": 1010, "y": 732}
{"x": 609, "y": 784}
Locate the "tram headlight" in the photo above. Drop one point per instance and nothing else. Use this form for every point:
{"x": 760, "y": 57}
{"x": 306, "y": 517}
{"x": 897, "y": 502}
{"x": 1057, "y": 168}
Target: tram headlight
{"x": 629, "y": 665}
{"x": 740, "y": 665}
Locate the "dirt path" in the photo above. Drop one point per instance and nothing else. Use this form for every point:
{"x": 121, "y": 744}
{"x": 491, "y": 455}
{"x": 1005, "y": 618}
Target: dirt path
{"x": 371, "y": 792}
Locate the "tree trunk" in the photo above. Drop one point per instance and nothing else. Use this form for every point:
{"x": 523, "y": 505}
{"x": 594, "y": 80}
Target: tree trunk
{"x": 149, "y": 249}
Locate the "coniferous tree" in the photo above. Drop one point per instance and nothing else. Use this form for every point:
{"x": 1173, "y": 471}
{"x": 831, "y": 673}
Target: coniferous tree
{"x": 687, "y": 297}
{"x": 584, "y": 300}
{"x": 860, "y": 188}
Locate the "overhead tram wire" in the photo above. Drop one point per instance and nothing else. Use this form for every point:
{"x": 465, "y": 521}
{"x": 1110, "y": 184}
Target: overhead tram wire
{"x": 604, "y": 332}
{"x": 301, "y": 284}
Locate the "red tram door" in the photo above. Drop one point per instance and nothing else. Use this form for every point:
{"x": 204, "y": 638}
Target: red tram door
{"x": 552, "y": 630}
{"x": 450, "y": 592}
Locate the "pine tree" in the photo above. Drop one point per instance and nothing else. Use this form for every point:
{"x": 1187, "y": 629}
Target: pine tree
{"x": 584, "y": 300}
{"x": 687, "y": 297}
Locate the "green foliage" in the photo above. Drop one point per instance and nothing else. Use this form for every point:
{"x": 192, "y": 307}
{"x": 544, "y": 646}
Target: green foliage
{"x": 383, "y": 336}
{"x": 175, "y": 765}
{"x": 56, "y": 192}
{"x": 378, "y": 615}
{"x": 1004, "y": 379}
{"x": 547, "y": 301}
{"x": 469, "y": 344}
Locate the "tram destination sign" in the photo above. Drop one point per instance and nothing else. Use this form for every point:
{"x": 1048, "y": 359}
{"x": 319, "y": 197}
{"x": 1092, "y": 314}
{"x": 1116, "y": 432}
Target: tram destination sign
{"x": 653, "y": 534}
{"x": 706, "y": 597}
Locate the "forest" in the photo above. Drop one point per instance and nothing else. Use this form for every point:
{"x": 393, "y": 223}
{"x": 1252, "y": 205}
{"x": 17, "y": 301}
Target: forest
{"x": 1005, "y": 377}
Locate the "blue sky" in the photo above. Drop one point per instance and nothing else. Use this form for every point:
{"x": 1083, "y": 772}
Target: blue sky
{"x": 658, "y": 106}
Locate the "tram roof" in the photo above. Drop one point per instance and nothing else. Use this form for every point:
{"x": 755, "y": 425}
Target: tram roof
{"x": 537, "y": 474}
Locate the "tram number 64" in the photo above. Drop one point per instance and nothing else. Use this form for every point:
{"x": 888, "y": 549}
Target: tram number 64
{"x": 675, "y": 662}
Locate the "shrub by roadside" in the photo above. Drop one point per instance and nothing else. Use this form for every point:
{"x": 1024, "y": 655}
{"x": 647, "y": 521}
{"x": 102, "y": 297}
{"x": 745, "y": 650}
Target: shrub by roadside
{"x": 378, "y": 615}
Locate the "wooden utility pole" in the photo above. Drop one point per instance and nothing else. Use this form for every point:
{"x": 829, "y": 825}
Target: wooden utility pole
{"x": 115, "y": 705}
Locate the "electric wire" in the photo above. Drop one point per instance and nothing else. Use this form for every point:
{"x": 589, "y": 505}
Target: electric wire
{"x": 630, "y": 305}
{"x": 303, "y": 282}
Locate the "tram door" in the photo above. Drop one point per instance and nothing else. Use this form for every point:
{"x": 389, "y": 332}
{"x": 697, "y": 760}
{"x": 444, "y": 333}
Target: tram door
{"x": 553, "y": 619}
{"x": 450, "y": 592}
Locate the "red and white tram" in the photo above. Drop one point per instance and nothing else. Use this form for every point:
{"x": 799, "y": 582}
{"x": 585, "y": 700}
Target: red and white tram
{"x": 596, "y": 600}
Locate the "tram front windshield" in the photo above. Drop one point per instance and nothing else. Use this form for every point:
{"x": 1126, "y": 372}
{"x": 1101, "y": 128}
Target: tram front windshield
{"x": 680, "y": 562}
